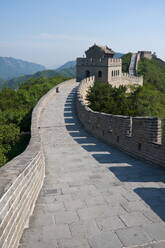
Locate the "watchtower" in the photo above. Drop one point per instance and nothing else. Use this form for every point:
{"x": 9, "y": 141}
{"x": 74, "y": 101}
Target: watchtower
{"x": 99, "y": 62}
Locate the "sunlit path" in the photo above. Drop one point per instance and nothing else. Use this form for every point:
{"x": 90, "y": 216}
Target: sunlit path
{"x": 94, "y": 196}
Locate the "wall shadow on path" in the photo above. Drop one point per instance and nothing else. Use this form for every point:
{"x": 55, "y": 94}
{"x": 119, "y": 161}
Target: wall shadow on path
{"x": 124, "y": 167}
{"x": 155, "y": 198}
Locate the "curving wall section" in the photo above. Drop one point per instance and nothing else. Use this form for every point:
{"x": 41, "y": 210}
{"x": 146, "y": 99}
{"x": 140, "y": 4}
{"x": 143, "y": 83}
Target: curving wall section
{"x": 20, "y": 182}
{"x": 143, "y": 137}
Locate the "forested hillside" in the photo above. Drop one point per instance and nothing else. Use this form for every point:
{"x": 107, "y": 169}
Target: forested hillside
{"x": 154, "y": 72}
{"x": 15, "y": 114}
{"x": 148, "y": 100}
{"x": 126, "y": 59}
{"x": 15, "y": 83}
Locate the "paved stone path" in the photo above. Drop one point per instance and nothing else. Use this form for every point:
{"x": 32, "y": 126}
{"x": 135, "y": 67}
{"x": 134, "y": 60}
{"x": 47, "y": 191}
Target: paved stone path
{"x": 94, "y": 196}
{"x": 132, "y": 67}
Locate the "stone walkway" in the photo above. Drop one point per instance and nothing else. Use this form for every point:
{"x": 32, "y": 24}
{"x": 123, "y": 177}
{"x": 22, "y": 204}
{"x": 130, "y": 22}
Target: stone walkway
{"x": 94, "y": 196}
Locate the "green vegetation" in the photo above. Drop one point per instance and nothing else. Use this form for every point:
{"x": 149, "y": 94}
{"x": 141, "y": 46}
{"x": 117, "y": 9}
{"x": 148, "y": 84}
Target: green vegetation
{"x": 154, "y": 73}
{"x": 148, "y": 100}
{"x": 15, "y": 114}
{"x": 126, "y": 59}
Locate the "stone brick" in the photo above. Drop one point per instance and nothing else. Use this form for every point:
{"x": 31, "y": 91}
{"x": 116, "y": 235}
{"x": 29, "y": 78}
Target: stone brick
{"x": 156, "y": 231}
{"x": 105, "y": 240}
{"x": 66, "y": 217}
{"x": 134, "y": 219}
{"x": 133, "y": 236}
{"x": 109, "y": 223}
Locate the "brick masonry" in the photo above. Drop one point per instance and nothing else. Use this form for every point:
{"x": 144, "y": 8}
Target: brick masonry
{"x": 142, "y": 137}
{"x": 105, "y": 67}
{"x": 21, "y": 181}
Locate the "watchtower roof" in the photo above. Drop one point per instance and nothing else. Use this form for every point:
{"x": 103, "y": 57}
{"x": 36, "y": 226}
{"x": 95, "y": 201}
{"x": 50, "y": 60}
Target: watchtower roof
{"x": 99, "y": 51}
{"x": 106, "y": 50}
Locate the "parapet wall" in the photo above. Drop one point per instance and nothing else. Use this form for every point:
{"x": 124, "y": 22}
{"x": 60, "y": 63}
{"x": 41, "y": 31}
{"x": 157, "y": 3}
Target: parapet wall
{"x": 126, "y": 79}
{"x": 139, "y": 136}
{"x": 99, "y": 61}
{"x": 20, "y": 182}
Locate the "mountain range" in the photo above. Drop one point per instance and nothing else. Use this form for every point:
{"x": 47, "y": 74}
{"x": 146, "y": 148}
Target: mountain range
{"x": 14, "y": 72}
{"x": 11, "y": 67}
{"x": 66, "y": 70}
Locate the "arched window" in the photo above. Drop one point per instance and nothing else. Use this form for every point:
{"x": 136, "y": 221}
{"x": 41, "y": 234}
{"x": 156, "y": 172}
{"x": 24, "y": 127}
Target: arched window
{"x": 112, "y": 73}
{"x": 99, "y": 74}
{"x": 87, "y": 73}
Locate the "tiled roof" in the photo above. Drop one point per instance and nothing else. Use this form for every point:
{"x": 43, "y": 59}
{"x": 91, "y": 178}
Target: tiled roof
{"x": 106, "y": 49}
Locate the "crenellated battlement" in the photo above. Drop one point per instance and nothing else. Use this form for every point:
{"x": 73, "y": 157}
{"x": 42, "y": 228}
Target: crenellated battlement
{"x": 143, "y": 137}
{"x": 99, "y": 61}
{"x": 132, "y": 79}
{"x": 127, "y": 80}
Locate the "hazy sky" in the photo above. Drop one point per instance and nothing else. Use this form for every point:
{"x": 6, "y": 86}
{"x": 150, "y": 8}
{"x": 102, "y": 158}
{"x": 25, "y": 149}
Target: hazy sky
{"x": 51, "y": 32}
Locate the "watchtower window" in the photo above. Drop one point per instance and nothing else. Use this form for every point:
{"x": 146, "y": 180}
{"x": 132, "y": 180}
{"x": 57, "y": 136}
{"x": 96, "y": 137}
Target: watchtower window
{"x": 99, "y": 74}
{"x": 112, "y": 73}
{"x": 87, "y": 73}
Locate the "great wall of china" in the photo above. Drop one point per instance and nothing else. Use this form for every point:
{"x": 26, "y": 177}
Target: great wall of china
{"x": 140, "y": 136}
{"x": 23, "y": 177}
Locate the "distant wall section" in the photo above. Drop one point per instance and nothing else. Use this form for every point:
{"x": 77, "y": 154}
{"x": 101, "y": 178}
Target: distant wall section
{"x": 108, "y": 70}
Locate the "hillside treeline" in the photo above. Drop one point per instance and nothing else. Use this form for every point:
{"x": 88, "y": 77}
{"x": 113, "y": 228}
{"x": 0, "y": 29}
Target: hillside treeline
{"x": 15, "y": 114}
{"x": 148, "y": 100}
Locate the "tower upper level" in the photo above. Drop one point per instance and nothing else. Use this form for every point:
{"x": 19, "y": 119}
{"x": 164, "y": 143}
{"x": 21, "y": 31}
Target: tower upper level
{"x": 96, "y": 52}
{"x": 99, "y": 62}
{"x": 99, "y": 56}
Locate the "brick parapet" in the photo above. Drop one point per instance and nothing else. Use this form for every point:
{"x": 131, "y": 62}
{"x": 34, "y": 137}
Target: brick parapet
{"x": 99, "y": 61}
{"x": 21, "y": 180}
{"x": 139, "y": 136}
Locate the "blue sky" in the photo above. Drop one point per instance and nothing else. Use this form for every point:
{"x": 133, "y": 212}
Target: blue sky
{"x": 51, "y": 32}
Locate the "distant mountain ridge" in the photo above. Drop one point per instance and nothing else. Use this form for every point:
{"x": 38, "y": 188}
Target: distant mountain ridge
{"x": 67, "y": 65}
{"x": 11, "y": 67}
{"x": 118, "y": 55}
{"x": 66, "y": 70}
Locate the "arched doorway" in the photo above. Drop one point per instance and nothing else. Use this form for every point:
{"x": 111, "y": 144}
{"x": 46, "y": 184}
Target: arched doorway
{"x": 87, "y": 73}
{"x": 99, "y": 74}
